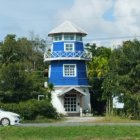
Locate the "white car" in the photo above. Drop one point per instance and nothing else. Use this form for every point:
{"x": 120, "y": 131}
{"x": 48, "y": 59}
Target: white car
{"x": 9, "y": 118}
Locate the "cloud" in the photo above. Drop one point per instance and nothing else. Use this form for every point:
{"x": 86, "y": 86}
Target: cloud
{"x": 21, "y": 17}
{"x": 127, "y": 16}
{"x": 124, "y": 19}
{"x": 100, "y": 18}
{"x": 88, "y": 14}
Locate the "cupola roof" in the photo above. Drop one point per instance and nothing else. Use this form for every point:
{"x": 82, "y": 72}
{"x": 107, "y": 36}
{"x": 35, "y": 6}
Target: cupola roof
{"x": 67, "y": 27}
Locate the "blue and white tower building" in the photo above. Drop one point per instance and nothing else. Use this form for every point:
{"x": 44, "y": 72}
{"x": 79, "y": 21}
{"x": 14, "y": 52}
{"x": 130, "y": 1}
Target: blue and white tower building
{"x": 67, "y": 69}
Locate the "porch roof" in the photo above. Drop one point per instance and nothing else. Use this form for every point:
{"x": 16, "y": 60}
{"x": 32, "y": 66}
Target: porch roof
{"x": 71, "y": 88}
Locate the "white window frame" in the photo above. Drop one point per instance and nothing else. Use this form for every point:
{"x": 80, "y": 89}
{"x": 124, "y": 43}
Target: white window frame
{"x": 65, "y": 46}
{"x": 75, "y": 70}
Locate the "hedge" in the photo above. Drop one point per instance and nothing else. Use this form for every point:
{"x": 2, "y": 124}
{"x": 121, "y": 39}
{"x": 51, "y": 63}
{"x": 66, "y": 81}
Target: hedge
{"x": 31, "y": 109}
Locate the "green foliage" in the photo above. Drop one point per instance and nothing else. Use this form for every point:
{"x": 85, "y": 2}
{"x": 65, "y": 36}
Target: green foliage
{"x": 124, "y": 77}
{"x": 112, "y": 73}
{"x": 19, "y": 85}
{"x": 98, "y": 68}
{"x": 30, "y": 109}
{"x": 21, "y": 69}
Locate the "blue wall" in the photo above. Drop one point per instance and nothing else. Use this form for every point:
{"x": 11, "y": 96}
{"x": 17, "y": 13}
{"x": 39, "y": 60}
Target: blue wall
{"x": 56, "y": 75}
{"x": 59, "y": 46}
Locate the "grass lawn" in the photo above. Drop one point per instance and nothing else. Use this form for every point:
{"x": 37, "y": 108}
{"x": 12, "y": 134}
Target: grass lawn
{"x": 71, "y": 133}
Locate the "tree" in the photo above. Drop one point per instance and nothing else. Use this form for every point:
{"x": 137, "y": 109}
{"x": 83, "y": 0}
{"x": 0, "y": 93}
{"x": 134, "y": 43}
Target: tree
{"x": 97, "y": 69}
{"x": 21, "y": 69}
{"x": 124, "y": 76}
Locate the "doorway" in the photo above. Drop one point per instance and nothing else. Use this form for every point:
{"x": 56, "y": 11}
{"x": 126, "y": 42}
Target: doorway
{"x": 70, "y": 103}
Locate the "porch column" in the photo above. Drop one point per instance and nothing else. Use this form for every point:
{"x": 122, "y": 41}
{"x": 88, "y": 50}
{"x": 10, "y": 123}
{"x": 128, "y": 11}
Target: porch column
{"x": 81, "y": 109}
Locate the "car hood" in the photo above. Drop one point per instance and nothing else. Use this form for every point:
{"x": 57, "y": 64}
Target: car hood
{"x": 11, "y": 113}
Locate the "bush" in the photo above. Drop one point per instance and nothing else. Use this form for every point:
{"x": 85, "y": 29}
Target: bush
{"x": 31, "y": 109}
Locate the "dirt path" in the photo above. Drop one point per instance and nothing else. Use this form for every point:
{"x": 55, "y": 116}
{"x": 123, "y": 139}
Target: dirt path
{"x": 82, "y": 119}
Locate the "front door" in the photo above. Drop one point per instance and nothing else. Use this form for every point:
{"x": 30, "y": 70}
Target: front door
{"x": 70, "y": 102}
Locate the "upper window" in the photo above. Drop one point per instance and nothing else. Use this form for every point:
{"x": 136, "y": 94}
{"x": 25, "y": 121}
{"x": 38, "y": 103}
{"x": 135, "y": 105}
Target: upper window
{"x": 68, "y": 36}
{"x": 69, "y": 47}
{"x": 57, "y": 37}
{"x": 78, "y": 38}
{"x": 69, "y": 70}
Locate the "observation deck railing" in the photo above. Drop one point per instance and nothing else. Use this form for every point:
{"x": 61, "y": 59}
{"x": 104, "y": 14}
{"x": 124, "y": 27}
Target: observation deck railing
{"x": 61, "y": 55}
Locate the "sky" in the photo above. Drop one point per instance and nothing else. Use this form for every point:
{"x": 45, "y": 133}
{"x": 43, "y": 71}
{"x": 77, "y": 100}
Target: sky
{"x": 105, "y": 21}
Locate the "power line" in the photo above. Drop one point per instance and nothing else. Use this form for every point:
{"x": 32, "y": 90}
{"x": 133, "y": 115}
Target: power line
{"x": 110, "y": 39}
{"x": 117, "y": 37}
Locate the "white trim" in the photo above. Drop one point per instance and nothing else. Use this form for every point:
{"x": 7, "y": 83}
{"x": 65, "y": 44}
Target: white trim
{"x": 71, "y": 88}
{"x": 49, "y": 71}
{"x": 61, "y": 55}
{"x": 61, "y": 86}
{"x": 73, "y": 47}
{"x": 66, "y": 58}
{"x": 52, "y": 48}
{"x": 75, "y": 70}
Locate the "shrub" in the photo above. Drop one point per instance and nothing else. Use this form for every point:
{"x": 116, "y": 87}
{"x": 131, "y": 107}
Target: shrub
{"x": 31, "y": 109}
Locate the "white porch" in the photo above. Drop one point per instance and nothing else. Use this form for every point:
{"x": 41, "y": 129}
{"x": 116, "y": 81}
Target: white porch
{"x": 71, "y": 101}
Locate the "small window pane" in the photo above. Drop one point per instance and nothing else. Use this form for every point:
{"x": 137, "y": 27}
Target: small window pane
{"x": 69, "y": 47}
{"x": 68, "y": 36}
{"x": 78, "y": 37}
{"x": 57, "y": 37}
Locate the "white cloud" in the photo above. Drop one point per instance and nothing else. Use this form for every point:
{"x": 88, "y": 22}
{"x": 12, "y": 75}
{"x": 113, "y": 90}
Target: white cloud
{"x": 89, "y": 15}
{"x": 127, "y": 16}
{"x": 85, "y": 12}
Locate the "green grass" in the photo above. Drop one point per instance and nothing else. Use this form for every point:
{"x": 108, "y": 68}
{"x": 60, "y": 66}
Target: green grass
{"x": 71, "y": 133}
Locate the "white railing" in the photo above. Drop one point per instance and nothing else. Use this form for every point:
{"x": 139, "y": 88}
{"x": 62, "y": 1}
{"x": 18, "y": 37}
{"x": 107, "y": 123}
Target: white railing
{"x": 78, "y": 55}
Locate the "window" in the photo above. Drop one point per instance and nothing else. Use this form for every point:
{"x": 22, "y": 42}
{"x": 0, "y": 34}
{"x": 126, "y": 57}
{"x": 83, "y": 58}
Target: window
{"x": 69, "y": 70}
{"x": 57, "y": 37}
{"x": 68, "y": 36}
{"x": 69, "y": 47}
{"x": 78, "y": 37}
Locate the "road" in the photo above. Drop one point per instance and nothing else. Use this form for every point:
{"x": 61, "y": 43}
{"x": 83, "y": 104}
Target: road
{"x": 76, "y": 121}
{"x": 76, "y": 124}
